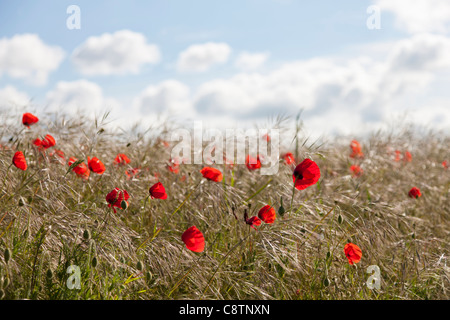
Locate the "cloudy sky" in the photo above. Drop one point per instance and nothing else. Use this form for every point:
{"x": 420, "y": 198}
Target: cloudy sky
{"x": 231, "y": 63}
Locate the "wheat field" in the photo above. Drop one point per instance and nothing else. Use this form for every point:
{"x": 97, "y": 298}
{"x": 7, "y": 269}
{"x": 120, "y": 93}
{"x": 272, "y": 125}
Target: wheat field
{"x": 51, "y": 219}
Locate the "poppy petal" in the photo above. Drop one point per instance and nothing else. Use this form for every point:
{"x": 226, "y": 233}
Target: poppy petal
{"x": 96, "y": 165}
{"x": 29, "y": 119}
{"x": 353, "y": 253}
{"x": 158, "y": 191}
{"x": 306, "y": 174}
{"x": 212, "y": 174}
{"x": 19, "y": 161}
{"x": 193, "y": 239}
{"x": 267, "y": 214}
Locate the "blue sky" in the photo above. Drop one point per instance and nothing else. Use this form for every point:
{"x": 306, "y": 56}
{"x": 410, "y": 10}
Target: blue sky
{"x": 316, "y": 55}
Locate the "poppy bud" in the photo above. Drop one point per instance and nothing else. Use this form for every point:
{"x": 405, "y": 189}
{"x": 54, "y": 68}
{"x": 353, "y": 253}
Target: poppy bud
{"x": 49, "y": 274}
{"x": 86, "y": 234}
{"x": 122, "y": 260}
{"x": 149, "y": 276}
{"x": 326, "y": 282}
{"x": 26, "y": 233}
{"x": 340, "y": 219}
{"x": 21, "y": 202}
{"x": 139, "y": 265}
{"x": 94, "y": 262}
{"x": 281, "y": 209}
{"x": 124, "y": 204}
{"x": 7, "y": 255}
{"x": 328, "y": 255}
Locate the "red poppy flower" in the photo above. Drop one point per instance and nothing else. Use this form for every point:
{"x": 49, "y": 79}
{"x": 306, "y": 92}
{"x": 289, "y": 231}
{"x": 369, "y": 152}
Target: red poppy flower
{"x": 306, "y": 174}
{"x": 407, "y": 157}
{"x": 29, "y": 119}
{"x": 212, "y": 174}
{"x": 193, "y": 239}
{"x": 266, "y": 137}
{"x": 48, "y": 141}
{"x": 157, "y": 191}
{"x": 81, "y": 170}
{"x": 353, "y": 253}
{"x": 96, "y": 165}
{"x": 267, "y": 214}
{"x": 175, "y": 168}
{"x": 253, "y": 221}
{"x": 356, "y": 170}
{"x": 38, "y": 143}
{"x": 445, "y": 164}
{"x": 117, "y": 198}
{"x": 45, "y": 143}
{"x": 121, "y": 159}
{"x": 289, "y": 158}
{"x": 414, "y": 193}
{"x": 398, "y": 154}
{"x": 356, "y": 150}
{"x": 132, "y": 172}
{"x": 19, "y": 161}
{"x": 252, "y": 163}
{"x": 59, "y": 154}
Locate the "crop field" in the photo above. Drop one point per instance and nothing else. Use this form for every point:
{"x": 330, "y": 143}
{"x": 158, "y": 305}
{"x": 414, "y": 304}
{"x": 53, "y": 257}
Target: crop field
{"x": 89, "y": 211}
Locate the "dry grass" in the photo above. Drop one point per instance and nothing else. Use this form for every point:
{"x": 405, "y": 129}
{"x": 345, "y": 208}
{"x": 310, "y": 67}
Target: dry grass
{"x": 44, "y": 212}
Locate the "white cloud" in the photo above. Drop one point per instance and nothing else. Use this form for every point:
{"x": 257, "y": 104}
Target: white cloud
{"x": 79, "y": 96}
{"x": 419, "y": 15}
{"x": 434, "y": 115}
{"x": 251, "y": 61}
{"x": 121, "y": 52}
{"x": 10, "y": 96}
{"x": 421, "y": 52}
{"x": 338, "y": 95}
{"x": 26, "y": 56}
{"x": 201, "y": 57}
{"x": 170, "y": 96}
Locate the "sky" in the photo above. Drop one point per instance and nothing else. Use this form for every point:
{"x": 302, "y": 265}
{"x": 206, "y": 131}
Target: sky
{"x": 350, "y": 66}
